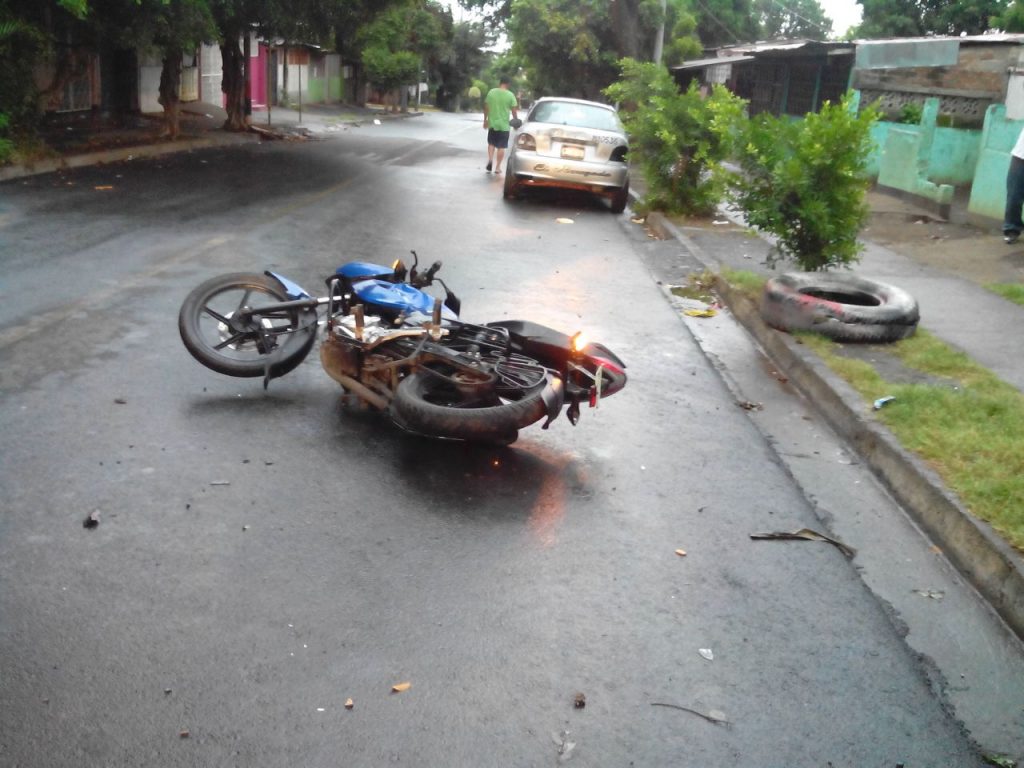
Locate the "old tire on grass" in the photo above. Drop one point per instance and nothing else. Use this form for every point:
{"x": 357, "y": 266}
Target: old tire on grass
{"x": 842, "y": 307}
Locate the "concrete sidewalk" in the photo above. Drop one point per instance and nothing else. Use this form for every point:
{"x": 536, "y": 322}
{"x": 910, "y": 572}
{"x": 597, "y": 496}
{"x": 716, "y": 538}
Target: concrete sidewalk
{"x": 945, "y": 266}
{"x": 83, "y": 139}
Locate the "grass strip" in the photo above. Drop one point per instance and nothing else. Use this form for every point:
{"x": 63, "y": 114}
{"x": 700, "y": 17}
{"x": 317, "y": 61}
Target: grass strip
{"x": 964, "y": 422}
{"x": 970, "y": 432}
{"x": 1012, "y": 291}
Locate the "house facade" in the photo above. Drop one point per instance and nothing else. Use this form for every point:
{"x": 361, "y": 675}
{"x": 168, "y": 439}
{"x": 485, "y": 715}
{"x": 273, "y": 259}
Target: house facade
{"x": 952, "y": 107}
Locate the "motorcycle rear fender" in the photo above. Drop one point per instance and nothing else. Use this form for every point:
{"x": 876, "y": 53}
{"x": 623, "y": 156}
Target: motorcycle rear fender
{"x": 552, "y": 348}
{"x": 546, "y": 345}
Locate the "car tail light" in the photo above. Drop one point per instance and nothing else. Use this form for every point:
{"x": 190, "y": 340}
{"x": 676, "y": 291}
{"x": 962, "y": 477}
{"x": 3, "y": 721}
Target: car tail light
{"x": 526, "y": 141}
{"x": 619, "y": 154}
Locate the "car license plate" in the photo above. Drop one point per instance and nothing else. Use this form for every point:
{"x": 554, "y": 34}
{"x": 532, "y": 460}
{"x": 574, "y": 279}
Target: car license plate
{"x": 572, "y": 152}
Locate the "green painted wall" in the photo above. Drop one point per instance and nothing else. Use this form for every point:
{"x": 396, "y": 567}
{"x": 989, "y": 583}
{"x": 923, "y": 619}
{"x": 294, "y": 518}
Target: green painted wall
{"x": 954, "y": 155}
{"x": 315, "y": 90}
{"x": 334, "y": 88}
{"x": 906, "y": 157}
{"x": 988, "y": 192}
{"x": 951, "y": 160}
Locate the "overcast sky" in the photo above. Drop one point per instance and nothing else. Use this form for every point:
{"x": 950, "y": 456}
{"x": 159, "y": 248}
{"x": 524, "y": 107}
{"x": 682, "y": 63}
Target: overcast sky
{"x": 844, "y": 14}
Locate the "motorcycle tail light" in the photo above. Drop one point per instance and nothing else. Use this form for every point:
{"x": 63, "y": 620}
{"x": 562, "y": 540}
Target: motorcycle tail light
{"x": 526, "y": 141}
{"x": 579, "y": 341}
{"x": 610, "y": 378}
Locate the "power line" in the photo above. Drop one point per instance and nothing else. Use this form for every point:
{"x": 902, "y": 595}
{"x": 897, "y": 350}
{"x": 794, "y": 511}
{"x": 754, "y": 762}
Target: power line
{"x": 791, "y": 12}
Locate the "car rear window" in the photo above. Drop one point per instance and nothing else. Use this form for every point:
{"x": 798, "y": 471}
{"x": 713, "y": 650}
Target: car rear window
{"x": 570, "y": 113}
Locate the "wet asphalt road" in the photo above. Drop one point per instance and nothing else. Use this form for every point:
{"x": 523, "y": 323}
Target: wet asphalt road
{"x": 263, "y": 556}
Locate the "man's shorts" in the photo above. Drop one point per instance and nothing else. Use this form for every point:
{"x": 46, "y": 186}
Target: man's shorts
{"x": 497, "y": 139}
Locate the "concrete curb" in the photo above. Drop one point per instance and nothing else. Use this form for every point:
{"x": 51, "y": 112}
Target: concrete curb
{"x": 119, "y": 154}
{"x": 994, "y": 568}
{"x": 133, "y": 151}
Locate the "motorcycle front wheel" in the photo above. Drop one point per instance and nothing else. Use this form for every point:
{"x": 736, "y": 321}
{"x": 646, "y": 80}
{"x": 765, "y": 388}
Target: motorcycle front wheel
{"x": 214, "y": 332}
{"x": 430, "y": 405}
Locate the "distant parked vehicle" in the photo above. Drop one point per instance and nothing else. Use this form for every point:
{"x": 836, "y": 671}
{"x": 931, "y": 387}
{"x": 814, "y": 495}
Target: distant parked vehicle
{"x": 571, "y": 144}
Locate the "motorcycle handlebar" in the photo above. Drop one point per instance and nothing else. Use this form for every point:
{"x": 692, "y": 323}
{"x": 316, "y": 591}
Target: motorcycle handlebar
{"x": 427, "y": 277}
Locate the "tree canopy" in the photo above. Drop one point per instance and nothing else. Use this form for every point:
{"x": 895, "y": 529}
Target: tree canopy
{"x": 913, "y": 18}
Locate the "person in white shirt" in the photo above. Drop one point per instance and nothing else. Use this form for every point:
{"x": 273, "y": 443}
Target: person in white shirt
{"x": 1012, "y": 224}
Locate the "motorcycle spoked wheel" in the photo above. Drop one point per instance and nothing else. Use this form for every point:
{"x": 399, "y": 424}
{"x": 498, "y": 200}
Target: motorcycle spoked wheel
{"x": 217, "y": 339}
{"x": 437, "y": 406}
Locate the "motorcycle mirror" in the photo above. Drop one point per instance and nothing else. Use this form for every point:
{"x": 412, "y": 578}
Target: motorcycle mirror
{"x": 453, "y": 302}
{"x": 400, "y": 270}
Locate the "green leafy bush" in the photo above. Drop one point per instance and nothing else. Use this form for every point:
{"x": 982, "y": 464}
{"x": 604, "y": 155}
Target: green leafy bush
{"x": 804, "y": 181}
{"x": 911, "y": 114}
{"x": 676, "y": 138}
{"x": 6, "y": 145}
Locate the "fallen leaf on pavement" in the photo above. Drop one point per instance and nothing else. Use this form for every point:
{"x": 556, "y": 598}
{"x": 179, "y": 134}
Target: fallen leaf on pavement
{"x": 700, "y": 313}
{"x": 681, "y": 552}
{"x": 715, "y": 716}
{"x": 807, "y": 534}
{"x": 103, "y": 187}
{"x": 400, "y": 687}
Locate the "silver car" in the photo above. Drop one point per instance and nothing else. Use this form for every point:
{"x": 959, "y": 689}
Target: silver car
{"x": 571, "y": 144}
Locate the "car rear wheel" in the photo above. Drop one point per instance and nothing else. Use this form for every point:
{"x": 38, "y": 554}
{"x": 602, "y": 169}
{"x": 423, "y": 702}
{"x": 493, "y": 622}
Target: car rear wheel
{"x": 512, "y": 186}
{"x": 619, "y": 198}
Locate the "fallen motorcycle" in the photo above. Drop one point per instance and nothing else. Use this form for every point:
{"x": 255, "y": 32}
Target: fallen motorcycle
{"x": 400, "y": 350}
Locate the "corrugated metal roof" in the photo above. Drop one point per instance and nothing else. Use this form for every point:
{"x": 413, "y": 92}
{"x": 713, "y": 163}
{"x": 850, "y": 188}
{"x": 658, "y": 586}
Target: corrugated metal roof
{"x": 712, "y": 62}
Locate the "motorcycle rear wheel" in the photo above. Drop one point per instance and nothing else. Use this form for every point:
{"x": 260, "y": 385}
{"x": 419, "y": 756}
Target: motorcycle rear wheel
{"x": 207, "y": 330}
{"x": 425, "y": 405}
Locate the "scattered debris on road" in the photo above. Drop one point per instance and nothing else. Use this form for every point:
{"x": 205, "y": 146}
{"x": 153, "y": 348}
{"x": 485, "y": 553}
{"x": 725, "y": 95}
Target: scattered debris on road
{"x": 707, "y": 653}
{"x": 709, "y": 312}
{"x": 806, "y": 534}
{"x": 715, "y": 716}
{"x": 565, "y": 747}
{"x": 92, "y": 520}
{"x": 681, "y": 552}
{"x": 934, "y": 594}
{"x": 400, "y": 687}
{"x": 883, "y": 401}
{"x": 579, "y": 701}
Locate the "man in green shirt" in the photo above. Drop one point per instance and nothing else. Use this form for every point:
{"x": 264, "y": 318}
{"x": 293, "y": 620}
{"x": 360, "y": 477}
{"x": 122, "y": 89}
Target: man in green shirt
{"x": 499, "y": 104}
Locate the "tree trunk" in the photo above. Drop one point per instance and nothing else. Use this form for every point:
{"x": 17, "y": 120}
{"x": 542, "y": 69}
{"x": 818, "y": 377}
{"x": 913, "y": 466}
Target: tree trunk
{"x": 286, "y": 100}
{"x": 170, "y": 87}
{"x": 233, "y": 85}
{"x": 626, "y": 28}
